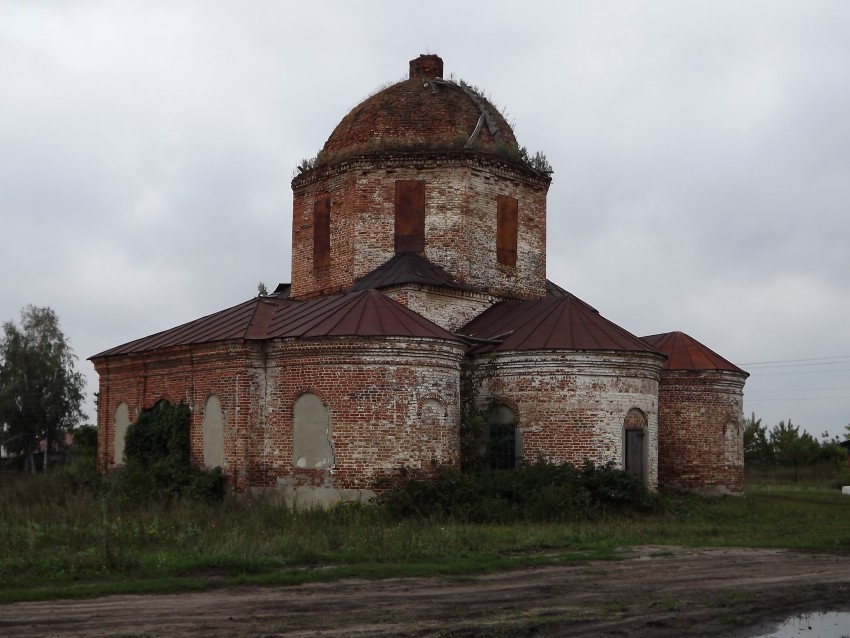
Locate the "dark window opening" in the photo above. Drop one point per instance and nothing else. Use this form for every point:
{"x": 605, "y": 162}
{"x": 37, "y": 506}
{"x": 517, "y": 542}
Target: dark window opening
{"x": 502, "y": 446}
{"x": 322, "y": 233}
{"x": 506, "y": 230}
{"x": 410, "y": 216}
{"x": 634, "y": 454}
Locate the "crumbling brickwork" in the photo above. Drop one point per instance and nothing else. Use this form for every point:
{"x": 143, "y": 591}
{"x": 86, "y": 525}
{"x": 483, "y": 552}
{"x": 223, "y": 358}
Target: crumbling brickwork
{"x": 572, "y": 406}
{"x": 188, "y": 374}
{"x": 461, "y": 199}
{"x": 449, "y": 309}
{"x": 700, "y": 429}
{"x": 376, "y": 391}
{"x": 427, "y": 170}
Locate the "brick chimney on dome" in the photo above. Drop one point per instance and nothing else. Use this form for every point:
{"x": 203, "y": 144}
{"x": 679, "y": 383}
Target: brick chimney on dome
{"x": 430, "y": 66}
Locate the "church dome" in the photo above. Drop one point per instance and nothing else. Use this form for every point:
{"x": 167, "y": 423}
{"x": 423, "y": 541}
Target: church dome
{"x": 423, "y": 113}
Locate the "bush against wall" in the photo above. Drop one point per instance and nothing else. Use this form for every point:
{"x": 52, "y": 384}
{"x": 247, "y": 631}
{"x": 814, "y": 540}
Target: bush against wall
{"x": 539, "y": 492}
{"x": 158, "y": 461}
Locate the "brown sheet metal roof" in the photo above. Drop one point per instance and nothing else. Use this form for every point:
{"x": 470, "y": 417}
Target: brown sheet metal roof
{"x": 220, "y": 326}
{"x": 554, "y": 290}
{"x": 555, "y": 322}
{"x": 407, "y": 268}
{"x": 366, "y": 314}
{"x": 282, "y": 291}
{"x": 686, "y": 353}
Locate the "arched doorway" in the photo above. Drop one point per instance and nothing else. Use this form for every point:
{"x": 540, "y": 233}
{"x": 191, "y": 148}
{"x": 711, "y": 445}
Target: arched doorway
{"x": 635, "y": 444}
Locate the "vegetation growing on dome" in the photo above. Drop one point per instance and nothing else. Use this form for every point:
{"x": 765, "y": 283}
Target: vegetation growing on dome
{"x": 512, "y": 153}
{"x": 537, "y": 161}
{"x": 502, "y": 146}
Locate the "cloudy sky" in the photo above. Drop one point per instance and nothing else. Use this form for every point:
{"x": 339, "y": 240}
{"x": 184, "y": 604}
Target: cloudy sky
{"x": 701, "y": 152}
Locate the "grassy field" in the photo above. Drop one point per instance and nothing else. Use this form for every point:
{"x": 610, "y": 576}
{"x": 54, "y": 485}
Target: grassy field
{"x": 57, "y": 542}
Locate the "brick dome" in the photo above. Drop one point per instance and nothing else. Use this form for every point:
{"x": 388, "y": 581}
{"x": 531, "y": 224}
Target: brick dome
{"x": 423, "y": 113}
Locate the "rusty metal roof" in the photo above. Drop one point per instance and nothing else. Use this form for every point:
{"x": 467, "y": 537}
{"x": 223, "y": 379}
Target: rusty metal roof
{"x": 407, "y": 268}
{"x": 220, "y": 326}
{"x": 282, "y": 291}
{"x": 365, "y": 314}
{"x": 554, "y": 290}
{"x": 562, "y": 322}
{"x": 686, "y": 353}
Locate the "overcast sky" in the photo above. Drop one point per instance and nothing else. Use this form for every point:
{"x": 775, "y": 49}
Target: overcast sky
{"x": 701, "y": 154}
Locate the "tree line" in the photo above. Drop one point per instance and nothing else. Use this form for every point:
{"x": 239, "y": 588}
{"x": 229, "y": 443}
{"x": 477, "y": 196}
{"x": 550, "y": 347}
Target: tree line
{"x": 787, "y": 444}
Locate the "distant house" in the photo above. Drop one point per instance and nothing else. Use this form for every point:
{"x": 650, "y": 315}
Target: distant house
{"x": 419, "y": 257}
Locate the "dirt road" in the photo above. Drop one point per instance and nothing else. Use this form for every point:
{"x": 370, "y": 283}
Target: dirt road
{"x": 656, "y": 592}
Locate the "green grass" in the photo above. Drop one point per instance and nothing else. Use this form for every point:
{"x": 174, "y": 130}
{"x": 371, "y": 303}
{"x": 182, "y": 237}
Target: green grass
{"x": 62, "y": 542}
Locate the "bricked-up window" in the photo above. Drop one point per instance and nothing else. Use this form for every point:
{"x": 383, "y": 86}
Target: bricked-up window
{"x": 312, "y": 435}
{"x": 409, "y": 216}
{"x": 506, "y": 230}
{"x": 213, "y": 428}
{"x": 122, "y": 422}
{"x": 322, "y": 233}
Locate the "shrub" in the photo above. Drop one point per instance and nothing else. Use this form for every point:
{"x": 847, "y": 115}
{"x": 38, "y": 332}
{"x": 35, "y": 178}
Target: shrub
{"x": 538, "y": 492}
{"x": 81, "y": 468}
{"x": 157, "y": 460}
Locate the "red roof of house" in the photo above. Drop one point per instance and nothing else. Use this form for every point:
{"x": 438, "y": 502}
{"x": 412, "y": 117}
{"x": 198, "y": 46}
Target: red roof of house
{"x": 686, "y": 353}
{"x": 562, "y": 322}
{"x": 364, "y": 314}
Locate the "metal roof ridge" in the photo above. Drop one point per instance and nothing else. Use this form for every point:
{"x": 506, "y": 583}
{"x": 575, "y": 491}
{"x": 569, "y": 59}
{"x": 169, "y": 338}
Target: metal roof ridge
{"x": 264, "y": 313}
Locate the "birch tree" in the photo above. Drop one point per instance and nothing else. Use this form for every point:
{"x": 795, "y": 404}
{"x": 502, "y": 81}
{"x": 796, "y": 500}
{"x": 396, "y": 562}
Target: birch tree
{"x": 41, "y": 393}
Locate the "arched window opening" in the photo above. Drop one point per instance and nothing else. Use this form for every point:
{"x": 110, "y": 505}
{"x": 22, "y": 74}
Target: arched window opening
{"x": 432, "y": 414}
{"x": 122, "y": 422}
{"x": 213, "y": 433}
{"x": 635, "y": 444}
{"x": 311, "y": 445}
{"x": 505, "y": 439}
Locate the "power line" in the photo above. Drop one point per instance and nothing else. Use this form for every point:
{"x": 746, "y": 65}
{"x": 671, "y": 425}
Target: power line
{"x": 764, "y": 363}
{"x": 800, "y": 365}
{"x": 773, "y": 374}
{"x": 787, "y": 390}
{"x": 749, "y": 399}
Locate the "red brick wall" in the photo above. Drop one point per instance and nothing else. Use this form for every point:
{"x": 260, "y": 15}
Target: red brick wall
{"x": 700, "y": 429}
{"x": 449, "y": 309}
{"x": 374, "y": 388}
{"x": 572, "y": 406}
{"x": 181, "y": 374}
{"x": 461, "y": 193}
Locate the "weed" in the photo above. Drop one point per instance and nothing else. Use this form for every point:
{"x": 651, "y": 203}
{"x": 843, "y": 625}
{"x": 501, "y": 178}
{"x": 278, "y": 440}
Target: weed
{"x": 69, "y": 540}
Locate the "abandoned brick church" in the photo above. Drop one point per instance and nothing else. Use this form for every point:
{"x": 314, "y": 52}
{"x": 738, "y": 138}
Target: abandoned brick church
{"x": 418, "y": 256}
